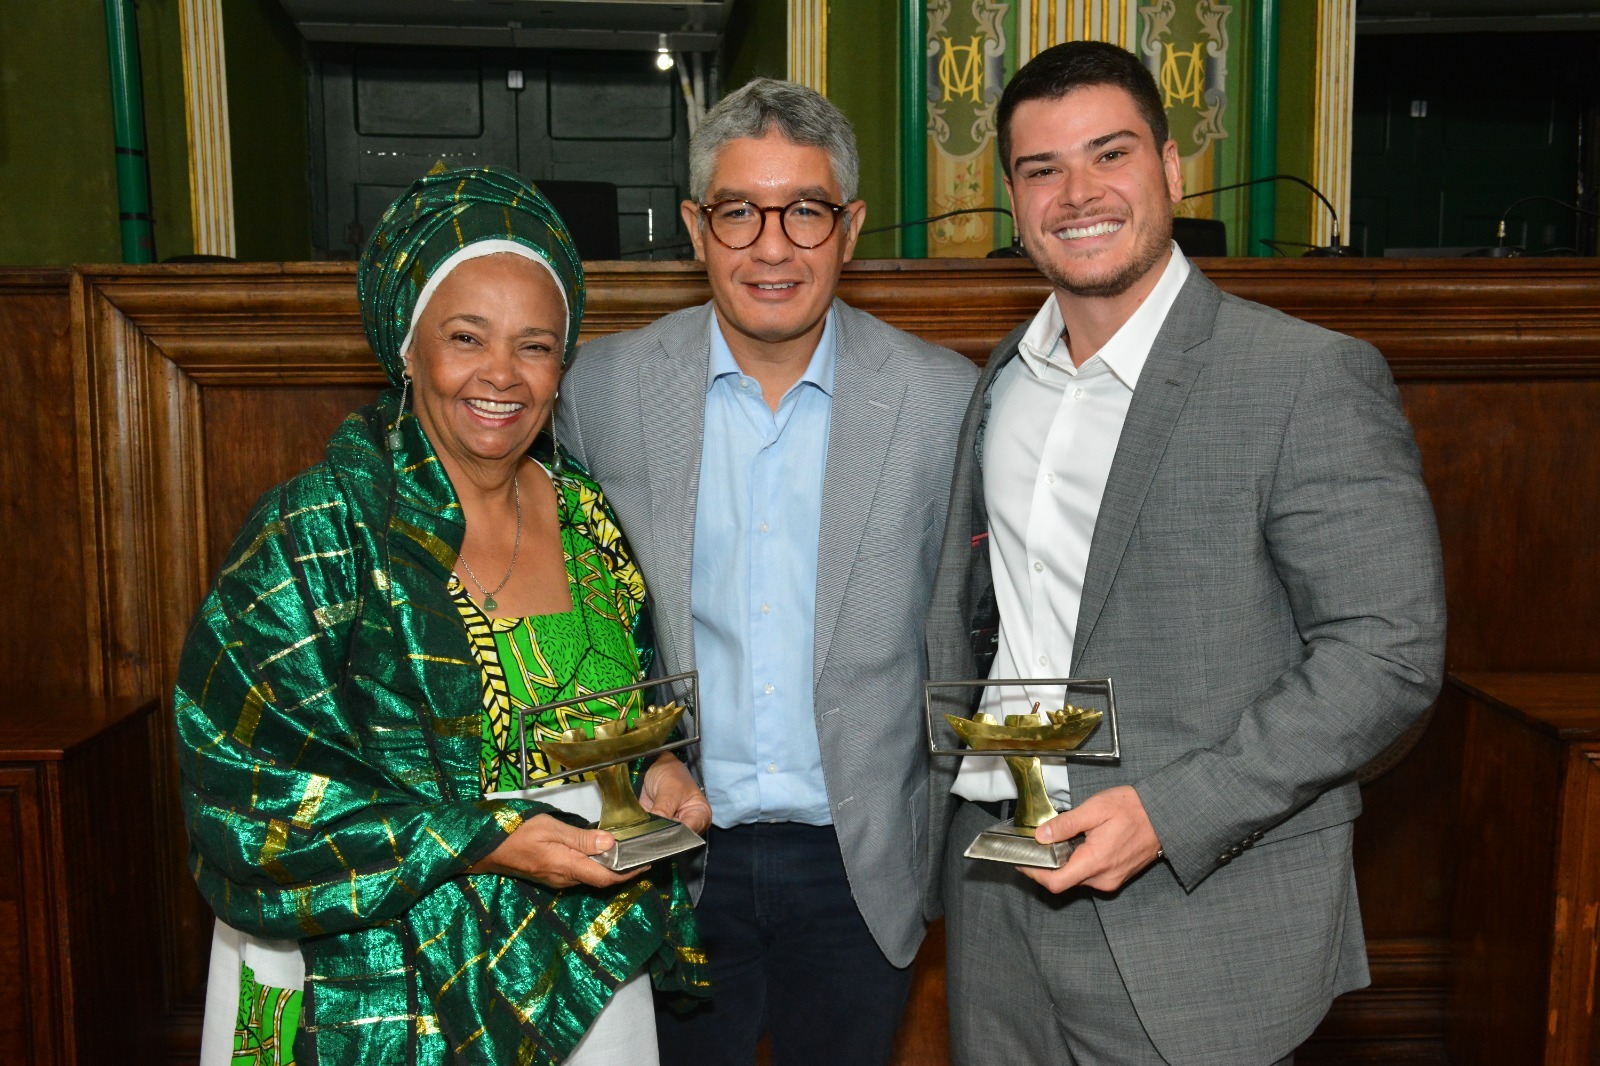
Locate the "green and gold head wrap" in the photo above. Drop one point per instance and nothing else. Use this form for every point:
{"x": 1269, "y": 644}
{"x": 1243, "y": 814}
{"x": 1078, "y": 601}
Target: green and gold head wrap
{"x": 439, "y": 217}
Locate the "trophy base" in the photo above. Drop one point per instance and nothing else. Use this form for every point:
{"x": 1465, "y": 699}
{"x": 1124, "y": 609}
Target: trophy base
{"x": 1006, "y": 842}
{"x": 640, "y": 845}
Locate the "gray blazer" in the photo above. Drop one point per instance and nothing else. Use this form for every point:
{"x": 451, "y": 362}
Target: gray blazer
{"x": 632, "y": 411}
{"x": 1264, "y": 586}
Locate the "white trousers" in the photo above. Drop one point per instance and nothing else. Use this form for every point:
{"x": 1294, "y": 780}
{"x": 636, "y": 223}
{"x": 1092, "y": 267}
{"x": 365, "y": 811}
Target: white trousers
{"x": 624, "y": 1033}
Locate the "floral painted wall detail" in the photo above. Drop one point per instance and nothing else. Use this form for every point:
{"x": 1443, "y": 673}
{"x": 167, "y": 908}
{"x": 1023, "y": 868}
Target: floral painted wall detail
{"x": 1186, "y": 46}
{"x": 966, "y": 61}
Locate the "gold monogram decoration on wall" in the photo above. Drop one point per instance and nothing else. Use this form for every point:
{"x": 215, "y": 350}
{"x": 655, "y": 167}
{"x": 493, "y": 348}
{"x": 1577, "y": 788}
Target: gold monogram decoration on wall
{"x": 1186, "y": 48}
{"x": 966, "y": 50}
{"x": 961, "y": 69}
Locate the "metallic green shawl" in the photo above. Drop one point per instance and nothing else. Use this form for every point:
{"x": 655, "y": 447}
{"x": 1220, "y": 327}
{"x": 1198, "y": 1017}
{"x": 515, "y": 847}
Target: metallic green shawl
{"x": 329, "y": 720}
{"x": 329, "y": 726}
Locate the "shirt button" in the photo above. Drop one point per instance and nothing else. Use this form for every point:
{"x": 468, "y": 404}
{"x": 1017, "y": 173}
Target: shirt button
{"x": 767, "y": 689}
{"x": 766, "y": 608}
{"x": 772, "y": 767}
{"x": 1037, "y": 565}
{"x": 1077, "y": 394}
{"x": 1044, "y": 660}
{"x": 744, "y": 383}
{"x": 763, "y": 527}
{"x": 1049, "y": 478}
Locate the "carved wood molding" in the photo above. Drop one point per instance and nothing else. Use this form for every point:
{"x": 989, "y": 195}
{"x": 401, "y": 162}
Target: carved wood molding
{"x": 140, "y": 480}
{"x": 1433, "y": 319}
{"x": 26, "y": 281}
{"x": 1406, "y": 1000}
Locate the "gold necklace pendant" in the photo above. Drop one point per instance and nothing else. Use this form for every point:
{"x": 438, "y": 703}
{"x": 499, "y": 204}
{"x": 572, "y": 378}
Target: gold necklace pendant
{"x": 488, "y": 597}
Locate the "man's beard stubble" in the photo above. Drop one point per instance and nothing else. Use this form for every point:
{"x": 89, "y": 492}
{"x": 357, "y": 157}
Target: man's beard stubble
{"x": 1146, "y": 257}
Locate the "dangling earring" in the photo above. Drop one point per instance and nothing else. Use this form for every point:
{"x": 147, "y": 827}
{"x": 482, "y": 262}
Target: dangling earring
{"x": 395, "y": 440}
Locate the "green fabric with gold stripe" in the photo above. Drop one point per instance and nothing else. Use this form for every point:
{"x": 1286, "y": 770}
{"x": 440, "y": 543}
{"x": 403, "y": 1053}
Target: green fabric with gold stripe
{"x": 330, "y": 739}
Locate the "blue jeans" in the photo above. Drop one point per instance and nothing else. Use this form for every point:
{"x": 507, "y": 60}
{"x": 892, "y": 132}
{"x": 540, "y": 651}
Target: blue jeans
{"x": 789, "y": 954}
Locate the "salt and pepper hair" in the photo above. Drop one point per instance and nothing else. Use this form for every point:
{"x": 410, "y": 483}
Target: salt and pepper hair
{"x": 800, "y": 115}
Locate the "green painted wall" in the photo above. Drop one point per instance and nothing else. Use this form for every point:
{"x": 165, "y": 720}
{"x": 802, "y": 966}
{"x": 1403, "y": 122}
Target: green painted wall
{"x": 57, "y": 178}
{"x": 267, "y": 126}
{"x": 59, "y": 190}
{"x": 756, "y": 43}
{"x": 1297, "y": 120}
{"x": 863, "y": 69}
{"x": 58, "y": 182}
{"x": 862, "y": 66}
{"x": 166, "y": 126}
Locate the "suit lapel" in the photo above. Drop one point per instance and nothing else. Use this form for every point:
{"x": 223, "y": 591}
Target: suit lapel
{"x": 866, "y": 406}
{"x": 672, "y": 407}
{"x": 1163, "y": 390}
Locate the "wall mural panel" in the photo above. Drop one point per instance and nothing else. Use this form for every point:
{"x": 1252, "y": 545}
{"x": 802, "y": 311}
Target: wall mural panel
{"x": 1195, "y": 50}
{"x": 967, "y": 50}
{"x": 1192, "y": 47}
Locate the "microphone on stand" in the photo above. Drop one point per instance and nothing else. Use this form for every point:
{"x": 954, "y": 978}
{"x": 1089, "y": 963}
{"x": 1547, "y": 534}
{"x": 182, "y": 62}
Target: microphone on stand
{"x": 1014, "y": 251}
{"x": 1501, "y": 250}
{"x": 1334, "y": 248}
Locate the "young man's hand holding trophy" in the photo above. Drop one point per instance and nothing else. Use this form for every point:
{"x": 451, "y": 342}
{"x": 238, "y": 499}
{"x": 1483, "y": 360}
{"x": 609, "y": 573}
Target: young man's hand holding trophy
{"x": 1021, "y": 739}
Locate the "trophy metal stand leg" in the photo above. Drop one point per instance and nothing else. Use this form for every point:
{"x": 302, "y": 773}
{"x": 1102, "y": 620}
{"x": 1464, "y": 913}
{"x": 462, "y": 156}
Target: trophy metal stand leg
{"x": 1014, "y": 844}
{"x": 641, "y": 845}
{"x": 641, "y": 837}
{"x": 1012, "y": 841}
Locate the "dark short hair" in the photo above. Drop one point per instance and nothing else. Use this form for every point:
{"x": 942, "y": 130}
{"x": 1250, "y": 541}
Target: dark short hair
{"x": 1058, "y": 70}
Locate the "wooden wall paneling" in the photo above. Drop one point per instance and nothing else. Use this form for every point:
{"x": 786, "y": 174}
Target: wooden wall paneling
{"x": 1509, "y": 793}
{"x": 78, "y": 928}
{"x": 41, "y": 651}
{"x": 278, "y": 350}
{"x": 140, "y": 506}
{"x": 256, "y": 437}
{"x": 31, "y": 1011}
{"x": 1498, "y": 364}
{"x": 1575, "y": 962}
{"x": 1526, "y": 947}
{"x": 104, "y": 794}
{"x": 1513, "y": 473}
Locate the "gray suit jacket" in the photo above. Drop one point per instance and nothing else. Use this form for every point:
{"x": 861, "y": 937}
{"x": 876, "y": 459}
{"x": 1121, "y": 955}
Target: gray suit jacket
{"x": 632, "y": 411}
{"x": 1264, "y": 586}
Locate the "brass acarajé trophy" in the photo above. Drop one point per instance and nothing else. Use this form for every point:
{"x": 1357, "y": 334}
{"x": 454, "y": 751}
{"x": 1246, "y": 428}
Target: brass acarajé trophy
{"x": 1021, "y": 740}
{"x": 641, "y": 837}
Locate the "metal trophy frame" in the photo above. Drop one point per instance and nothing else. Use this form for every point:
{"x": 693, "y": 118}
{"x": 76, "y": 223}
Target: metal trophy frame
{"x": 1008, "y": 841}
{"x": 640, "y": 837}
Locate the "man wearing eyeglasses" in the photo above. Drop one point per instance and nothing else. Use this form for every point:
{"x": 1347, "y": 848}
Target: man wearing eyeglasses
{"x": 781, "y": 463}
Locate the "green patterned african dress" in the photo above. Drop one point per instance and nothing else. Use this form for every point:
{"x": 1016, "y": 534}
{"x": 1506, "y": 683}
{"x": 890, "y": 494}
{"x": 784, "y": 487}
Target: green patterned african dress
{"x": 268, "y": 1019}
{"x": 599, "y": 643}
{"x": 531, "y": 662}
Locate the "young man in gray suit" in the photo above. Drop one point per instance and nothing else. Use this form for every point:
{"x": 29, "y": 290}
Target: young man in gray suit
{"x": 781, "y": 465}
{"x": 1221, "y": 508}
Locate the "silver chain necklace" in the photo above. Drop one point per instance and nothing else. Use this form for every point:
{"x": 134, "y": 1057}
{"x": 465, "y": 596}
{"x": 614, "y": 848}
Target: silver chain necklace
{"x": 488, "y": 596}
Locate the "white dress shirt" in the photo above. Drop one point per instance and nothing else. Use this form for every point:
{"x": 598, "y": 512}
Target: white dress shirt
{"x": 1048, "y": 444}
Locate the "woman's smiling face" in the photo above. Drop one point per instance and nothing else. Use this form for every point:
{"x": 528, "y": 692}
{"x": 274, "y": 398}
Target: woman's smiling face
{"x": 486, "y": 360}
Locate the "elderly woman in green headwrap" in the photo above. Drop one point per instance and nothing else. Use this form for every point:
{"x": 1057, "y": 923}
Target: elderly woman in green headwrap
{"x": 347, "y": 702}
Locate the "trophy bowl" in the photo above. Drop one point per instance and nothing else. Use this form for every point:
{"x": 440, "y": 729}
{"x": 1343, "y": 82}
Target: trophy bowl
{"x": 1061, "y": 730}
{"x": 640, "y": 837}
{"x": 1020, "y": 741}
{"x": 576, "y": 750}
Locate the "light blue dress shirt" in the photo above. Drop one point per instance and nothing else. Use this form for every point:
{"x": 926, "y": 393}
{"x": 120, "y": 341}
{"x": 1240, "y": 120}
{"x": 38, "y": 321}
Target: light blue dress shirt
{"x": 754, "y": 590}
